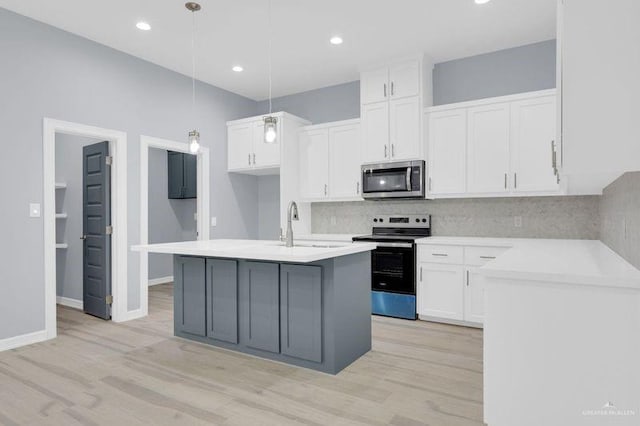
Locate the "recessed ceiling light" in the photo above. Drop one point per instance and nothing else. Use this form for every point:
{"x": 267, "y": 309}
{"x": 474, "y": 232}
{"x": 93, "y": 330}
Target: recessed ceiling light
{"x": 237, "y": 68}
{"x": 144, "y": 26}
{"x": 482, "y": 1}
{"x": 335, "y": 40}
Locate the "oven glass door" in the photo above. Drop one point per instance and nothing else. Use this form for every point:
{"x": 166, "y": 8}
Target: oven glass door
{"x": 393, "y": 269}
{"x": 387, "y": 180}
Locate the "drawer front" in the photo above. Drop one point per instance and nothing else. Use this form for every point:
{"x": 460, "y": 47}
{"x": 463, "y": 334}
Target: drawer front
{"x": 441, "y": 254}
{"x": 478, "y": 256}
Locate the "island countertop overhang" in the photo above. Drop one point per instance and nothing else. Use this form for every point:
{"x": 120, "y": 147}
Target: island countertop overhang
{"x": 266, "y": 250}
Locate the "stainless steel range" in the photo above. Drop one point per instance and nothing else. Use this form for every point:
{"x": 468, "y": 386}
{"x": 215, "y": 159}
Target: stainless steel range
{"x": 393, "y": 263}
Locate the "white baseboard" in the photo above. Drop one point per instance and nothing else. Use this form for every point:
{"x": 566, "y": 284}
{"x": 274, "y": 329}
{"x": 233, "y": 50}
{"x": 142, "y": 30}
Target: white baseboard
{"x": 71, "y": 303}
{"x": 161, "y": 280}
{"x": 131, "y": 315}
{"x": 22, "y": 340}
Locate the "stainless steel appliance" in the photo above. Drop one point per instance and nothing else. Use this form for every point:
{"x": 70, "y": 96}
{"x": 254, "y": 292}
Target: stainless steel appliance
{"x": 393, "y": 180}
{"x": 393, "y": 263}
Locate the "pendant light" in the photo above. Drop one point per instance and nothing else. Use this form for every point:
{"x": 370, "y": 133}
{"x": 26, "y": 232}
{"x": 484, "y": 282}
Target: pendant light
{"x": 270, "y": 122}
{"x": 194, "y": 135}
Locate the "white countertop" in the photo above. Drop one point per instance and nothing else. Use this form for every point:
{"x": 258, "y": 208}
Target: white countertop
{"x": 588, "y": 262}
{"x": 326, "y": 237}
{"x": 260, "y": 250}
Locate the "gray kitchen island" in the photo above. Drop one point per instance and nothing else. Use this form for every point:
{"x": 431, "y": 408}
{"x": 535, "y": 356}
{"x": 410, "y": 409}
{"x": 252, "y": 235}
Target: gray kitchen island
{"x": 308, "y": 305}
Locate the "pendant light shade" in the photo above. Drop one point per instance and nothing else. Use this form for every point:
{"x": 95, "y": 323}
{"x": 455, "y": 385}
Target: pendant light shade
{"x": 194, "y": 135}
{"x": 270, "y": 122}
{"x": 194, "y": 141}
{"x": 270, "y": 129}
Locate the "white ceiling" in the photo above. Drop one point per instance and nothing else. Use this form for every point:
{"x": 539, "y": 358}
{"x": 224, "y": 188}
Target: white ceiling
{"x": 231, "y": 32}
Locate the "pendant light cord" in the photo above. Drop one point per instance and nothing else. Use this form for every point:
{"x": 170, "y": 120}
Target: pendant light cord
{"x": 193, "y": 66}
{"x": 270, "y": 42}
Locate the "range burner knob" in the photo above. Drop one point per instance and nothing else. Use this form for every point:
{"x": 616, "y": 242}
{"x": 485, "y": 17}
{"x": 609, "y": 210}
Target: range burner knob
{"x": 424, "y": 220}
{"x": 417, "y": 220}
{"x": 381, "y": 220}
{"x": 375, "y": 220}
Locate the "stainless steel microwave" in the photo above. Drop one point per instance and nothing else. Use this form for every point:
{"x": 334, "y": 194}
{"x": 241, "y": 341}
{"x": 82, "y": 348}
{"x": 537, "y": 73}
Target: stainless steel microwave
{"x": 393, "y": 180}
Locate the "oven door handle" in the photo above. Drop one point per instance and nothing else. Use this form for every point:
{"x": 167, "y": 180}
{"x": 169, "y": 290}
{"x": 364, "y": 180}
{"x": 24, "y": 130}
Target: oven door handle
{"x": 398, "y": 245}
{"x": 408, "y": 179}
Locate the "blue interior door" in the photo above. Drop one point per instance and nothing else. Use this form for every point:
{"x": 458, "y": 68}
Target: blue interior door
{"x": 96, "y": 212}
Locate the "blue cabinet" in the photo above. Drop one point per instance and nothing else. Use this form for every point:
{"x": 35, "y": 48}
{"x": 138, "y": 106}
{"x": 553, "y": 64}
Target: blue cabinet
{"x": 189, "y": 304}
{"x": 182, "y": 175}
{"x": 260, "y": 294}
{"x": 222, "y": 300}
{"x": 301, "y": 311}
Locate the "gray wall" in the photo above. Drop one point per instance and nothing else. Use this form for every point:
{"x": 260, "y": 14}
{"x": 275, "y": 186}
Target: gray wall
{"x": 340, "y": 102}
{"x": 269, "y": 207}
{"x": 505, "y": 72}
{"x": 169, "y": 220}
{"x": 69, "y": 170}
{"x": 542, "y": 217}
{"x": 620, "y": 217}
{"x": 48, "y": 72}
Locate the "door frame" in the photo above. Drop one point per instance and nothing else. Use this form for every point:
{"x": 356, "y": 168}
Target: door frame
{"x": 202, "y": 202}
{"x": 118, "y": 151}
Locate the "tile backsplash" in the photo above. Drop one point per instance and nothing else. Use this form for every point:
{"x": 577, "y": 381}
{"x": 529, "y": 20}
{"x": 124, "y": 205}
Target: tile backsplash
{"x": 575, "y": 217}
{"x": 620, "y": 217}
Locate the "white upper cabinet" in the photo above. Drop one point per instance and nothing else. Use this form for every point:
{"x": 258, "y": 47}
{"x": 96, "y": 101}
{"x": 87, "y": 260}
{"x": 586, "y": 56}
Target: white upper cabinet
{"x": 374, "y": 85}
{"x": 240, "y": 144}
{"x": 493, "y": 147}
{"x": 392, "y": 98}
{"x": 447, "y": 158}
{"x": 533, "y": 130}
{"x": 330, "y": 161}
{"x": 375, "y": 132}
{"x": 404, "y": 127}
{"x": 404, "y": 79}
{"x": 314, "y": 162}
{"x": 344, "y": 161}
{"x": 488, "y": 148}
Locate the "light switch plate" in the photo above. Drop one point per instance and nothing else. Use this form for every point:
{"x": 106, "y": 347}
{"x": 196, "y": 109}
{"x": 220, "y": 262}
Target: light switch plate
{"x": 34, "y": 210}
{"x": 214, "y": 221}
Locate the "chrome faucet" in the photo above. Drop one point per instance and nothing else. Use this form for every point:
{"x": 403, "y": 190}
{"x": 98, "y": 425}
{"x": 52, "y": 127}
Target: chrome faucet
{"x": 292, "y": 214}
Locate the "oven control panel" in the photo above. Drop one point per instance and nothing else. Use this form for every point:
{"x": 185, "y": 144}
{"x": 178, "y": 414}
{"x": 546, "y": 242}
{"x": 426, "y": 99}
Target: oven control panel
{"x": 402, "y": 221}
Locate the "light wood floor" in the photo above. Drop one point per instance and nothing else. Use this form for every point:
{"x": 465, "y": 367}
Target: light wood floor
{"x": 137, "y": 373}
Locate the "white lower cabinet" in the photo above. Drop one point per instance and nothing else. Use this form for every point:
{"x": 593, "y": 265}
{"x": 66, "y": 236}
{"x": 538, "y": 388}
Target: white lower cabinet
{"x": 441, "y": 291}
{"x": 450, "y": 286}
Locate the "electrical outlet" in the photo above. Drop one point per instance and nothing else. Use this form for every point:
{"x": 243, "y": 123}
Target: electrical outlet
{"x": 517, "y": 221}
{"x": 333, "y": 220}
{"x": 214, "y": 221}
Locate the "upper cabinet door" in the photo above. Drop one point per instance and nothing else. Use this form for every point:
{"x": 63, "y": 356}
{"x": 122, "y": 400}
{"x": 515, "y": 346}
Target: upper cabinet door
{"x": 344, "y": 161}
{"x": 239, "y": 146}
{"x": 374, "y": 85}
{"x": 175, "y": 174}
{"x": 190, "y": 173}
{"x": 314, "y": 163}
{"x": 447, "y": 157}
{"x": 375, "y": 132}
{"x": 533, "y": 129}
{"x": 405, "y": 127}
{"x": 488, "y": 148}
{"x": 265, "y": 154}
{"x": 404, "y": 79}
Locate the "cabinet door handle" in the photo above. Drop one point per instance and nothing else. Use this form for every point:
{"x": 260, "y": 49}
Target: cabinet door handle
{"x": 385, "y": 151}
{"x": 254, "y": 158}
{"x": 421, "y": 273}
{"x": 467, "y": 278}
{"x": 249, "y": 158}
{"x": 393, "y": 150}
{"x": 392, "y": 88}
{"x": 385, "y": 89}
{"x": 554, "y": 158}
{"x": 357, "y": 187}
{"x": 505, "y": 181}
{"x": 429, "y": 183}
{"x": 487, "y": 257}
{"x": 440, "y": 254}
{"x": 515, "y": 180}
{"x": 325, "y": 189}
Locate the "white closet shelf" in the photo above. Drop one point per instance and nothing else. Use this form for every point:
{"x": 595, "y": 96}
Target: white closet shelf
{"x": 62, "y": 246}
{"x": 61, "y": 216}
{"x": 61, "y": 185}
